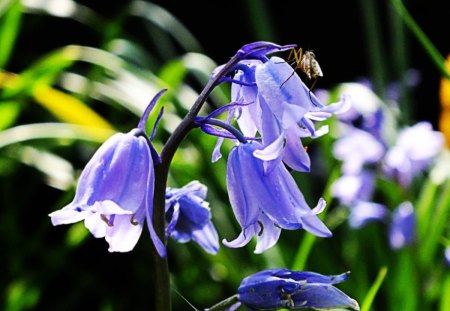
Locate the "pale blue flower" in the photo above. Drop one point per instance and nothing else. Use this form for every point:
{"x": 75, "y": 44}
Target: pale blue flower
{"x": 356, "y": 149}
{"x": 402, "y": 231}
{"x": 114, "y": 195}
{"x": 415, "y": 149}
{"x": 282, "y": 288}
{"x": 279, "y": 107}
{"x": 362, "y": 213}
{"x": 352, "y": 188}
{"x": 266, "y": 202}
{"x": 189, "y": 216}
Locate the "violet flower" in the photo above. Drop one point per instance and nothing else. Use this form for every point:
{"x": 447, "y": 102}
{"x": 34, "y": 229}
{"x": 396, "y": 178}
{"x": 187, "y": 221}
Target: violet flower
{"x": 415, "y": 149}
{"x": 350, "y": 188}
{"x": 364, "y": 212}
{"x": 269, "y": 100}
{"x": 356, "y": 149}
{"x": 114, "y": 195}
{"x": 402, "y": 230}
{"x": 282, "y": 288}
{"x": 189, "y": 217}
{"x": 266, "y": 202}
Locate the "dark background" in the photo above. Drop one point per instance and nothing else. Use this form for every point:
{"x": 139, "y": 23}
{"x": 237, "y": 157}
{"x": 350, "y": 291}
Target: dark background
{"x": 334, "y": 30}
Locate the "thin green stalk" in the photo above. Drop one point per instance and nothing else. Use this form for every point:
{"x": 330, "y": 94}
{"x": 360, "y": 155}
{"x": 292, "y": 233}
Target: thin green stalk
{"x": 424, "y": 208}
{"x": 370, "y": 296}
{"x": 400, "y": 63}
{"x": 374, "y": 45}
{"x": 261, "y": 20}
{"x": 434, "y": 54}
{"x": 444, "y": 304}
{"x": 440, "y": 221}
{"x": 308, "y": 241}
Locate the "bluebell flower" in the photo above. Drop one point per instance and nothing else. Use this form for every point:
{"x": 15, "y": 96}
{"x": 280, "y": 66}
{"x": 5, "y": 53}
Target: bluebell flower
{"x": 282, "y": 288}
{"x": 351, "y": 188}
{"x": 266, "y": 202}
{"x": 356, "y": 149}
{"x": 279, "y": 107}
{"x": 364, "y": 212}
{"x": 114, "y": 194}
{"x": 402, "y": 230}
{"x": 366, "y": 111}
{"x": 189, "y": 216}
{"x": 415, "y": 149}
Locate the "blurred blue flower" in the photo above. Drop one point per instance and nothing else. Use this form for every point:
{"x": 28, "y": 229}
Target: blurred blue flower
{"x": 447, "y": 255}
{"x": 114, "y": 194}
{"x": 402, "y": 230}
{"x": 266, "y": 202}
{"x": 415, "y": 149}
{"x": 366, "y": 110}
{"x": 362, "y": 213}
{"x": 357, "y": 148}
{"x": 282, "y": 288}
{"x": 189, "y": 216}
{"x": 351, "y": 188}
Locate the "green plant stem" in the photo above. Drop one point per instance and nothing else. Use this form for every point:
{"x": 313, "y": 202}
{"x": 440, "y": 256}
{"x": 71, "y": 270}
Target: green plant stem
{"x": 224, "y": 304}
{"x": 434, "y": 54}
{"x": 308, "y": 241}
{"x": 368, "y": 300}
{"x": 161, "y": 289}
{"x": 374, "y": 45}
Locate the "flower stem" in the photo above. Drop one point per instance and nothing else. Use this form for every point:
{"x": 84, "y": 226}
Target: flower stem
{"x": 161, "y": 288}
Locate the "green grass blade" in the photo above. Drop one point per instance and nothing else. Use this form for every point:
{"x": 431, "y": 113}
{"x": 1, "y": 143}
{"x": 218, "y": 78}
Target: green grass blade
{"x": 434, "y": 54}
{"x": 370, "y": 296}
{"x": 9, "y": 29}
{"x": 445, "y": 297}
{"x": 441, "y": 218}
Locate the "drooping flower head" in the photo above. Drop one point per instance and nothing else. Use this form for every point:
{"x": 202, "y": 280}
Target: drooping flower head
{"x": 266, "y": 202}
{"x": 114, "y": 194}
{"x": 272, "y": 103}
{"x": 282, "y": 288}
{"x": 189, "y": 216}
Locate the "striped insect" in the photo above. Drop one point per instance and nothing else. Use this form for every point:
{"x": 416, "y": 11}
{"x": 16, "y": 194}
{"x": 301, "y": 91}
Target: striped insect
{"x": 307, "y": 63}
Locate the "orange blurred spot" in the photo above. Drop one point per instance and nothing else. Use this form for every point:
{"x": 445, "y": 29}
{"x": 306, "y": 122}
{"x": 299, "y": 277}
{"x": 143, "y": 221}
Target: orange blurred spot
{"x": 444, "y": 96}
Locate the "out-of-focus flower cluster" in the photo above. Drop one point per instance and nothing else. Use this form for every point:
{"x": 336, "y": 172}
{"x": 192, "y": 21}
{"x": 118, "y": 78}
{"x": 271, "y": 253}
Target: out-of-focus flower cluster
{"x": 373, "y": 147}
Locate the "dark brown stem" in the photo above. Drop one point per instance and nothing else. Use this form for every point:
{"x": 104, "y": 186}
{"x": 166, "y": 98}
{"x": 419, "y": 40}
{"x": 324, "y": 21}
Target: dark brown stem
{"x": 161, "y": 288}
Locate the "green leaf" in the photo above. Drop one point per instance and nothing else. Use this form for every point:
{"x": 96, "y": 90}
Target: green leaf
{"x": 9, "y": 29}
{"x": 370, "y": 296}
{"x": 9, "y": 111}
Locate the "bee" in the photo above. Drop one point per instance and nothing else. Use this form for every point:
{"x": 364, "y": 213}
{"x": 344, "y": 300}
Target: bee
{"x": 306, "y": 62}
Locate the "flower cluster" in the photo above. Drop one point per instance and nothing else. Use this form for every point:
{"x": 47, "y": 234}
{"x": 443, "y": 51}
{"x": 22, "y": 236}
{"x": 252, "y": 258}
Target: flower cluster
{"x": 274, "y": 110}
{"x": 369, "y": 150}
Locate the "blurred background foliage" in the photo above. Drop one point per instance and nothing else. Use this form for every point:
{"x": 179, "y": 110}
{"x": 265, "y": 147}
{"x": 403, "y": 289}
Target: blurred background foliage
{"x": 74, "y": 72}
